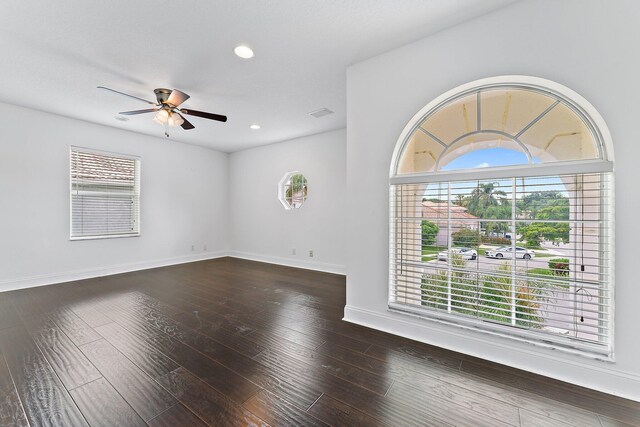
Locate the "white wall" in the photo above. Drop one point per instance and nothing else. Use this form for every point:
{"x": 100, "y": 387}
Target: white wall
{"x": 588, "y": 46}
{"x": 183, "y": 201}
{"x": 263, "y": 230}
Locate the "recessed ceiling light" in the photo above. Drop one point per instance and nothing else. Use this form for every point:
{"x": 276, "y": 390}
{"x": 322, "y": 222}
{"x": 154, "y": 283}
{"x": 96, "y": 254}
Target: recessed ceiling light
{"x": 255, "y": 126}
{"x": 122, "y": 118}
{"x": 243, "y": 51}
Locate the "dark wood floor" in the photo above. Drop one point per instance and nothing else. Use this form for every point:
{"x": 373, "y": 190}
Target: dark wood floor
{"x": 233, "y": 342}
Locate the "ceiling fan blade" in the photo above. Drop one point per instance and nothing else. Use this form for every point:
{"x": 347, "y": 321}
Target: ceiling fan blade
{"x": 131, "y": 113}
{"x": 176, "y": 98}
{"x": 186, "y": 124}
{"x": 204, "y": 115}
{"x": 126, "y": 94}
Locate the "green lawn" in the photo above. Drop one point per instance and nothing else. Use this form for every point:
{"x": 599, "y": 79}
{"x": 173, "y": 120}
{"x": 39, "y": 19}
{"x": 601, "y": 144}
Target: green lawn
{"x": 429, "y": 252}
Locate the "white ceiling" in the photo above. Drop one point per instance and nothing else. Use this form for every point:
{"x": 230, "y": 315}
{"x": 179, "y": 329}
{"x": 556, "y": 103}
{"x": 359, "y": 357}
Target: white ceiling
{"x": 55, "y": 53}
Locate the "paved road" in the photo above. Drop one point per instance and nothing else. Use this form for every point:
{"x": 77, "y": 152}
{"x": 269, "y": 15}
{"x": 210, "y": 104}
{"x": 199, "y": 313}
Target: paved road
{"x": 486, "y": 263}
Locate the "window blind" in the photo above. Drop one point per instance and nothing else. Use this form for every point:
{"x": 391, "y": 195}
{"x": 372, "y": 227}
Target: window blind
{"x": 105, "y": 195}
{"x": 526, "y": 256}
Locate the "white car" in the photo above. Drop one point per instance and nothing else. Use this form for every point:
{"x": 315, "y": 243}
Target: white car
{"x": 465, "y": 253}
{"x": 507, "y": 252}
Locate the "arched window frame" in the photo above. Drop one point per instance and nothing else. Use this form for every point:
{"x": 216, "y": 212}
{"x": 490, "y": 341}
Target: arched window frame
{"x": 604, "y": 164}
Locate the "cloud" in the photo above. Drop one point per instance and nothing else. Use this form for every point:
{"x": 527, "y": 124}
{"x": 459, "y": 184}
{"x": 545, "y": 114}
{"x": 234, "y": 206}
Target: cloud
{"x": 483, "y": 165}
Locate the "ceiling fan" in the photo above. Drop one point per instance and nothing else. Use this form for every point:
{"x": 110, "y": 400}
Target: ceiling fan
{"x": 166, "y": 109}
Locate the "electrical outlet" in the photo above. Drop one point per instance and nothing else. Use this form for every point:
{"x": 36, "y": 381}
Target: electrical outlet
{"x": 193, "y": 248}
{"x": 204, "y": 247}
{"x": 293, "y": 251}
{"x": 311, "y": 253}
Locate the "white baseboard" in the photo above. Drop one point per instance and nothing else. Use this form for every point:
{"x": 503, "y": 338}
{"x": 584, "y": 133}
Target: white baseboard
{"x": 291, "y": 262}
{"x": 68, "y": 276}
{"x": 602, "y": 378}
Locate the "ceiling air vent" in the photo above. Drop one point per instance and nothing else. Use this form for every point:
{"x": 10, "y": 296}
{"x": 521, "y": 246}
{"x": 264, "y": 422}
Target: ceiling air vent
{"x": 320, "y": 113}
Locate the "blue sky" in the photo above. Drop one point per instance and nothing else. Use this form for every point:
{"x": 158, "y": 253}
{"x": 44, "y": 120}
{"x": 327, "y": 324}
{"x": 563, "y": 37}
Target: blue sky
{"x": 486, "y": 158}
{"x": 491, "y": 157}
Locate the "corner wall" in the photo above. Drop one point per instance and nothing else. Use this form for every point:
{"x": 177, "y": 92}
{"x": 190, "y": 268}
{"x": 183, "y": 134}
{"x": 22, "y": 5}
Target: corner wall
{"x": 183, "y": 201}
{"x": 584, "y": 45}
{"x": 263, "y": 230}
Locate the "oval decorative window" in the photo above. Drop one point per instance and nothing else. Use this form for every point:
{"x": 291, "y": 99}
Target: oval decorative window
{"x": 292, "y": 190}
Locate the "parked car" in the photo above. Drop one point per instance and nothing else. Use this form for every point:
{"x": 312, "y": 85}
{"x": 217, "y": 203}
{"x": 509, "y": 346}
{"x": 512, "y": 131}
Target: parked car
{"x": 507, "y": 252}
{"x": 465, "y": 253}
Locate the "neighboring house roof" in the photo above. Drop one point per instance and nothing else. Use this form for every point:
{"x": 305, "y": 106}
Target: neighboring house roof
{"x": 438, "y": 211}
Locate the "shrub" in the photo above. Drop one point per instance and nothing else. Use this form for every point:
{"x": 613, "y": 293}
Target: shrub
{"x": 466, "y": 237}
{"x": 559, "y": 266}
{"x": 495, "y": 240}
{"x": 429, "y": 232}
{"x": 486, "y": 295}
{"x": 463, "y": 287}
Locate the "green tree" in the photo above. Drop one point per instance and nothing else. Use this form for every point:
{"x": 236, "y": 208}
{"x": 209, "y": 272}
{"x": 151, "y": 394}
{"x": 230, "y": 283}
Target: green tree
{"x": 461, "y": 200}
{"x": 484, "y": 196}
{"x": 544, "y": 205}
{"x": 548, "y": 206}
{"x": 535, "y": 232}
{"x": 429, "y": 232}
{"x": 297, "y": 186}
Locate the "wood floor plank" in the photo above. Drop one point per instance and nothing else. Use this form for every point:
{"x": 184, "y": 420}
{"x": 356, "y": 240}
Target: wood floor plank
{"x": 70, "y": 364}
{"x": 102, "y": 406}
{"x": 610, "y": 422}
{"x": 530, "y": 419}
{"x": 369, "y": 402}
{"x": 424, "y": 376}
{"x": 92, "y": 317}
{"x": 8, "y": 315}
{"x": 459, "y": 403}
{"x": 337, "y": 413}
{"x": 74, "y": 327}
{"x": 603, "y": 405}
{"x": 353, "y": 374}
{"x": 283, "y": 385}
{"x": 215, "y": 331}
{"x": 215, "y": 374}
{"x": 11, "y": 410}
{"x": 177, "y": 415}
{"x": 46, "y": 401}
{"x": 279, "y": 412}
{"x": 148, "y": 359}
{"x": 207, "y": 403}
{"x": 144, "y": 395}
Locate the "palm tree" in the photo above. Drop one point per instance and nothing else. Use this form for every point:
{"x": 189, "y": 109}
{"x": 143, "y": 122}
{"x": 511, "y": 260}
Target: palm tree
{"x": 484, "y": 196}
{"x": 461, "y": 200}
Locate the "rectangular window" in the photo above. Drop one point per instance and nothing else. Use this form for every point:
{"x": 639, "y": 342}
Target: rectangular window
{"x": 105, "y": 194}
{"x": 527, "y": 257}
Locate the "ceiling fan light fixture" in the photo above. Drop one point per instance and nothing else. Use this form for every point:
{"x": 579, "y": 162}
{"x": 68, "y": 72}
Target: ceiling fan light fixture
{"x": 175, "y": 120}
{"x": 243, "y": 51}
{"x": 161, "y": 117}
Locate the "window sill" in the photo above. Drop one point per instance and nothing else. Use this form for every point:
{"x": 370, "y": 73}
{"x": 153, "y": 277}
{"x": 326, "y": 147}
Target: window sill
{"x": 566, "y": 345}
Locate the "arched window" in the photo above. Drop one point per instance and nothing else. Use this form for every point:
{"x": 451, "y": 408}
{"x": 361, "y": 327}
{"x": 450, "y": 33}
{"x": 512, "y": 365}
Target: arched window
{"x": 501, "y": 215}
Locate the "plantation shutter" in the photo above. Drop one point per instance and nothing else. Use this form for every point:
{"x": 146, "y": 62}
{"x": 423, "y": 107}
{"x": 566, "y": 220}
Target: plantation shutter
{"x": 105, "y": 194}
{"x": 556, "y": 288}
